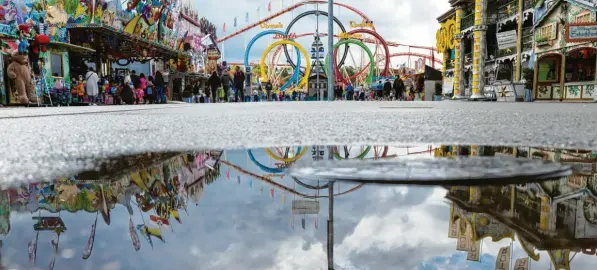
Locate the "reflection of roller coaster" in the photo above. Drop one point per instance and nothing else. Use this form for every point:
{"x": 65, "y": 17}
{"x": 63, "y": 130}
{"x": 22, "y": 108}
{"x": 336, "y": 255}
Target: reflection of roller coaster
{"x": 377, "y": 63}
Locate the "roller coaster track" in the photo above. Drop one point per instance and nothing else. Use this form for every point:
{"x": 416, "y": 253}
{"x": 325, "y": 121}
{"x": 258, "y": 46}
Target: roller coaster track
{"x": 308, "y": 2}
{"x": 283, "y": 187}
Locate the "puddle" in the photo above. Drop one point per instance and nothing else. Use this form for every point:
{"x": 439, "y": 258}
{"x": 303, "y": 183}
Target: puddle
{"x": 248, "y": 209}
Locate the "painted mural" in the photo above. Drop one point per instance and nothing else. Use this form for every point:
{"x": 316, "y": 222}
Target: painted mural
{"x": 153, "y": 20}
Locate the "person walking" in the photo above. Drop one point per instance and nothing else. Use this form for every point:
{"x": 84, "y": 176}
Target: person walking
{"x": 160, "y": 86}
{"x": 135, "y": 79}
{"x": 239, "y": 84}
{"x": 91, "y": 86}
{"x": 269, "y": 88}
{"x": 349, "y": 91}
{"x": 226, "y": 82}
{"x": 214, "y": 83}
{"x": 387, "y": 88}
{"x": 398, "y": 88}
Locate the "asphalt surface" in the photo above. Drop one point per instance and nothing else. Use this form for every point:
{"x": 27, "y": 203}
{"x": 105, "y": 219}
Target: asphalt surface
{"x": 43, "y": 143}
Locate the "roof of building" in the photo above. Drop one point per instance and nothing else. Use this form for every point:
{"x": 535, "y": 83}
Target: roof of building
{"x": 447, "y": 15}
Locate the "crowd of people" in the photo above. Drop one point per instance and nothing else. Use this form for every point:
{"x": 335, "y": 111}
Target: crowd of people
{"x": 128, "y": 88}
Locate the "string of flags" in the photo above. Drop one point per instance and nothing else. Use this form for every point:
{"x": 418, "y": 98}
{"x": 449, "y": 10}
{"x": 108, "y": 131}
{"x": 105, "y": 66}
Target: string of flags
{"x": 269, "y": 9}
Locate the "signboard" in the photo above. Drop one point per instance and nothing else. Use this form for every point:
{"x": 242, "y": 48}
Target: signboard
{"x": 213, "y": 54}
{"x": 364, "y": 24}
{"x": 289, "y": 36}
{"x": 305, "y": 207}
{"x": 581, "y": 32}
{"x": 345, "y": 35}
{"x": 318, "y": 152}
{"x": 506, "y": 39}
{"x": 448, "y": 85}
{"x": 266, "y": 25}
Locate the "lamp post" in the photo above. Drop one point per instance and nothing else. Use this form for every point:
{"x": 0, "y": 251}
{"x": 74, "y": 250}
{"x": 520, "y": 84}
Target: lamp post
{"x": 331, "y": 60}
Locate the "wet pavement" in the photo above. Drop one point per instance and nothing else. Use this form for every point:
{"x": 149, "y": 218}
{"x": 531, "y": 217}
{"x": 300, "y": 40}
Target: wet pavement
{"x": 240, "y": 209}
{"x": 48, "y": 142}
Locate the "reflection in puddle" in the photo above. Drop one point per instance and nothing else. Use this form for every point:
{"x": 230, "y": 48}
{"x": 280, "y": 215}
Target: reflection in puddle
{"x": 210, "y": 201}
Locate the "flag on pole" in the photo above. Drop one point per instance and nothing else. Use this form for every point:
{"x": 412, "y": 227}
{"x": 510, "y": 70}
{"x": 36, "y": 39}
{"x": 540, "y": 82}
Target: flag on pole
{"x": 247, "y": 17}
{"x": 272, "y": 192}
{"x": 251, "y": 183}
{"x": 283, "y": 198}
{"x": 89, "y": 248}
{"x": 228, "y": 175}
{"x": 522, "y": 264}
{"x": 224, "y": 28}
{"x": 238, "y": 179}
{"x": 503, "y": 259}
{"x": 269, "y": 6}
{"x": 234, "y": 21}
{"x": 303, "y": 223}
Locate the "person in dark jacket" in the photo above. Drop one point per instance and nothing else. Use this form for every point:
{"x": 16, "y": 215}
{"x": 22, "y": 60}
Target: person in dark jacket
{"x": 135, "y": 79}
{"x": 160, "y": 88}
{"x": 239, "y": 84}
{"x": 226, "y": 82}
{"x": 268, "y": 89}
{"x": 387, "y": 89}
{"x": 399, "y": 88}
{"x": 214, "y": 83}
{"x": 127, "y": 94}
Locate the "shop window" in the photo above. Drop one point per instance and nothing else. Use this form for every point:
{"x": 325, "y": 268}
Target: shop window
{"x": 548, "y": 70}
{"x": 580, "y": 65}
{"x": 546, "y": 32}
{"x": 56, "y": 65}
{"x": 584, "y": 17}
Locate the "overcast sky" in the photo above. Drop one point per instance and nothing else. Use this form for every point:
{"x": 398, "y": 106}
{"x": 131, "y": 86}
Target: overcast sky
{"x": 404, "y": 21}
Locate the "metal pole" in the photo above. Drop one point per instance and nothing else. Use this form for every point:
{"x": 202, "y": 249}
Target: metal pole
{"x": 519, "y": 42}
{"x": 331, "y": 226}
{"x": 331, "y": 50}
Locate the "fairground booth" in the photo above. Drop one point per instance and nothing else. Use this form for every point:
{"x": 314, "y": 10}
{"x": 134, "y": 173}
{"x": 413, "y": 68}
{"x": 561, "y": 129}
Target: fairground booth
{"x": 565, "y": 53}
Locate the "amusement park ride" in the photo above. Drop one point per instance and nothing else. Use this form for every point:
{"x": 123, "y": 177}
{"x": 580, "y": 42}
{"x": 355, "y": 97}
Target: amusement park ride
{"x": 374, "y": 60}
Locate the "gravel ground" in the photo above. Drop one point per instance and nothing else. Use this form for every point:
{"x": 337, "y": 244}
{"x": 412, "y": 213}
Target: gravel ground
{"x": 42, "y": 143}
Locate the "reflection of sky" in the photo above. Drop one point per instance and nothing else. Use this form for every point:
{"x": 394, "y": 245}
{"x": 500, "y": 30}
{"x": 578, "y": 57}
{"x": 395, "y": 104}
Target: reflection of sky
{"x": 235, "y": 227}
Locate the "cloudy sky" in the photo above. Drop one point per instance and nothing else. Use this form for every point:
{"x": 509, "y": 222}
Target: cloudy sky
{"x": 404, "y": 21}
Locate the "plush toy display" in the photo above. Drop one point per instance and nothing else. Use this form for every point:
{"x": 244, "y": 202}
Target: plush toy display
{"x": 39, "y": 43}
{"x": 19, "y": 72}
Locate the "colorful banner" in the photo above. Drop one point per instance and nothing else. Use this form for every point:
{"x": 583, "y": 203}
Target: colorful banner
{"x": 474, "y": 251}
{"x": 521, "y": 264}
{"x": 503, "y": 259}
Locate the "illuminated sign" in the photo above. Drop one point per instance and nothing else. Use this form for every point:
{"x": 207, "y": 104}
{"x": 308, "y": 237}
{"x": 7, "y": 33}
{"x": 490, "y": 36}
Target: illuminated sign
{"x": 345, "y": 35}
{"x": 364, "y": 24}
{"x": 271, "y": 26}
{"x": 289, "y": 36}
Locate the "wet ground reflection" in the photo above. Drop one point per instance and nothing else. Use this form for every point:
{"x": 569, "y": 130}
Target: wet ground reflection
{"x": 238, "y": 209}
